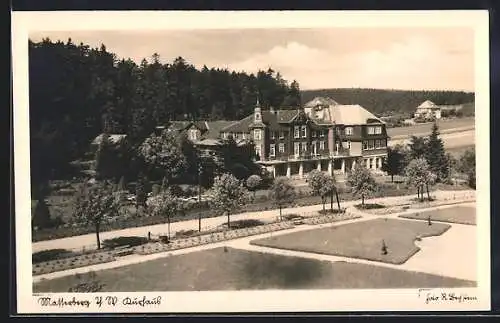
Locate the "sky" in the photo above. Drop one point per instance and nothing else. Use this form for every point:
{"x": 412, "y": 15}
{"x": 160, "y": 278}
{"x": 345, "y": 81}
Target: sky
{"x": 424, "y": 58}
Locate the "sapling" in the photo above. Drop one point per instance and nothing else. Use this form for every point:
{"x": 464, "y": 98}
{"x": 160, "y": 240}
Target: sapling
{"x": 384, "y": 248}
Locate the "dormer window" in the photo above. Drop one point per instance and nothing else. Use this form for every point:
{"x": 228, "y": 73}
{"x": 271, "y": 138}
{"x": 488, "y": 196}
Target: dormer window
{"x": 193, "y": 134}
{"x": 348, "y": 131}
{"x": 258, "y": 116}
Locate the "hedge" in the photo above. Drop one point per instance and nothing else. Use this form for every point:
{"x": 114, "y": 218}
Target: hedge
{"x": 131, "y": 241}
{"x": 51, "y": 254}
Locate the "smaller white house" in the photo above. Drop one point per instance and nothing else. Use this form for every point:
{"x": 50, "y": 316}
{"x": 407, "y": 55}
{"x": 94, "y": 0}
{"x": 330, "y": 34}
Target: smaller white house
{"x": 428, "y": 110}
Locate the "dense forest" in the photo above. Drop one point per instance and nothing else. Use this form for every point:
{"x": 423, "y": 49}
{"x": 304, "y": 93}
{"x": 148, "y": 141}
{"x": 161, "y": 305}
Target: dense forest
{"x": 78, "y": 92}
{"x": 388, "y": 102}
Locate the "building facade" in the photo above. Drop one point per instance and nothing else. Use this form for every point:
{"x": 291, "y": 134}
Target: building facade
{"x": 323, "y": 135}
{"x": 428, "y": 110}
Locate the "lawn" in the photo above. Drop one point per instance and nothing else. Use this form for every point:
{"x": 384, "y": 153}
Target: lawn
{"x": 456, "y": 214}
{"x": 457, "y": 152}
{"x": 237, "y": 269}
{"x": 360, "y": 239}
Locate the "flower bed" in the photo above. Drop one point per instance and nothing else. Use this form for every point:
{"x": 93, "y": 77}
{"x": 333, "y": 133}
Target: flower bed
{"x": 330, "y": 218}
{"x": 177, "y": 244}
{"x": 72, "y": 262}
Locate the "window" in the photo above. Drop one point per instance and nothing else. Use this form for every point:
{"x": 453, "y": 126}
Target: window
{"x": 313, "y": 133}
{"x": 337, "y": 147}
{"x": 224, "y": 135}
{"x": 304, "y": 131}
{"x": 321, "y": 133}
{"x": 244, "y": 136}
{"x": 296, "y": 148}
{"x": 281, "y": 148}
{"x": 258, "y": 117}
{"x": 348, "y": 145}
{"x": 370, "y": 144}
{"x": 296, "y": 132}
{"x": 257, "y": 150}
{"x": 348, "y": 131}
{"x": 282, "y": 134}
{"x": 365, "y": 145}
{"x": 257, "y": 135}
{"x": 321, "y": 145}
{"x": 273, "y": 135}
{"x": 371, "y": 130}
{"x": 304, "y": 146}
{"x": 371, "y": 165}
{"x": 378, "y": 130}
{"x": 272, "y": 150}
{"x": 314, "y": 147}
{"x": 193, "y": 134}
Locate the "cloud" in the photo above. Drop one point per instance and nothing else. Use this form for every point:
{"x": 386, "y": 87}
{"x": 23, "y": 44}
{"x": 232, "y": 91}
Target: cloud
{"x": 418, "y": 63}
{"x": 377, "y": 58}
{"x": 414, "y": 63}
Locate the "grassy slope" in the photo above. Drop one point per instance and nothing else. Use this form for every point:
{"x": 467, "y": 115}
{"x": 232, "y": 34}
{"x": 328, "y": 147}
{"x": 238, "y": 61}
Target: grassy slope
{"x": 246, "y": 270}
{"x": 425, "y": 128}
{"x": 360, "y": 240}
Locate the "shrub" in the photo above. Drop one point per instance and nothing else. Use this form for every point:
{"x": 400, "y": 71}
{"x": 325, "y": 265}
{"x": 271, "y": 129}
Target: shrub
{"x": 156, "y": 189}
{"x": 288, "y": 217}
{"x": 370, "y": 206}
{"x": 124, "y": 241}
{"x": 248, "y": 223}
{"x": 176, "y": 190}
{"x": 51, "y": 254}
{"x": 164, "y": 239}
{"x": 334, "y": 211}
{"x": 185, "y": 233}
{"x": 40, "y": 217}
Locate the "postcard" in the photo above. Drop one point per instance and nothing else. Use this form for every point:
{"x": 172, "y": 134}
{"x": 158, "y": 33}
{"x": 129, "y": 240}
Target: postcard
{"x": 263, "y": 161}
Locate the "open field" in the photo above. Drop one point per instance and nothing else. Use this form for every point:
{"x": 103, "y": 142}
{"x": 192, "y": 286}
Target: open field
{"x": 459, "y": 214}
{"x": 425, "y": 128}
{"x": 459, "y": 151}
{"x": 360, "y": 240}
{"x": 451, "y": 140}
{"x": 235, "y": 269}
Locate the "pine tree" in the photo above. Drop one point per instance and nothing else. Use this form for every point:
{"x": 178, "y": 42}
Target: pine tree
{"x": 140, "y": 192}
{"x": 41, "y": 215}
{"x": 436, "y": 156}
{"x": 104, "y": 159}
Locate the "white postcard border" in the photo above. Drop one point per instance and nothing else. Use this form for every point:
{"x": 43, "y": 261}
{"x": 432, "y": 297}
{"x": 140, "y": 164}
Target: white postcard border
{"x": 249, "y": 301}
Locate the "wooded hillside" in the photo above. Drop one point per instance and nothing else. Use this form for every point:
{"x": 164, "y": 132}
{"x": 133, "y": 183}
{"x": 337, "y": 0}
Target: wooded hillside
{"x": 386, "y": 102}
{"x": 77, "y": 92}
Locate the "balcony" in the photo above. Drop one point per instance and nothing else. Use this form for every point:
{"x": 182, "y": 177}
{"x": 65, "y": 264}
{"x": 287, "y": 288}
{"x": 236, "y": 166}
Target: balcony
{"x": 341, "y": 153}
{"x": 301, "y": 156}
